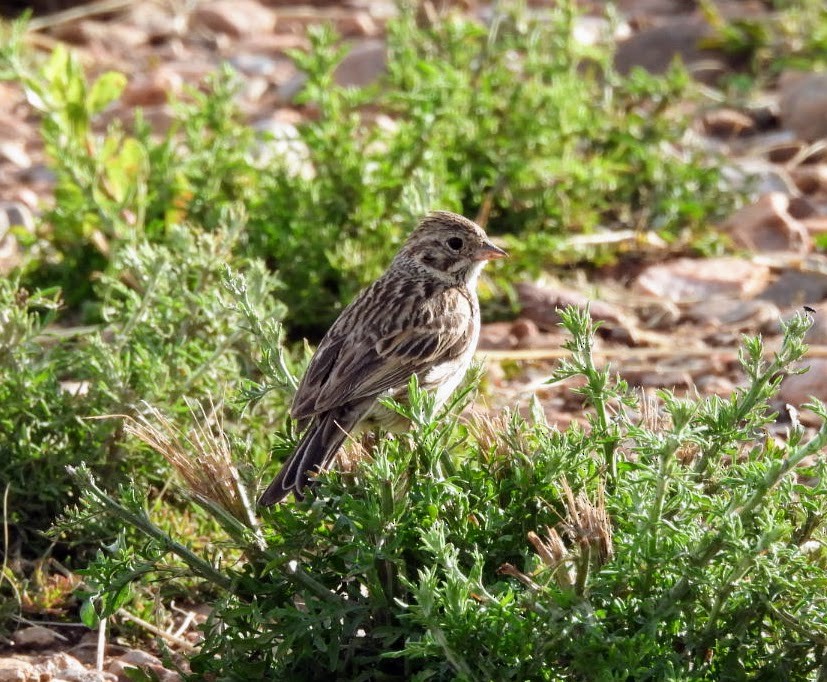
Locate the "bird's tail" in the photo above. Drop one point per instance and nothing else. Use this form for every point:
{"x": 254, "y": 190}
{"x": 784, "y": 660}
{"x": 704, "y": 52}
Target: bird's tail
{"x": 312, "y": 455}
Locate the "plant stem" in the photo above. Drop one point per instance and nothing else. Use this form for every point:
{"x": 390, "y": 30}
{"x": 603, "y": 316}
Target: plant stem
{"x": 142, "y": 523}
{"x": 713, "y": 543}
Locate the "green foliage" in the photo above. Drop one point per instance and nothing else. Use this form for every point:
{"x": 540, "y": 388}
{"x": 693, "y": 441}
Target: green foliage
{"x": 517, "y": 122}
{"x": 793, "y": 36}
{"x": 667, "y": 541}
{"x": 170, "y": 331}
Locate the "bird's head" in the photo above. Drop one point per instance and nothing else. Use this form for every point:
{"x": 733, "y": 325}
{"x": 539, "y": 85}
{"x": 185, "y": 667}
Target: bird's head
{"x": 450, "y": 246}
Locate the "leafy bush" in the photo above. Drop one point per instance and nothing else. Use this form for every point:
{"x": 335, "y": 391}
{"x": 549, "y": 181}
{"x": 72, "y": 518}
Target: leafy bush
{"x": 515, "y": 122}
{"x": 793, "y": 36}
{"x": 169, "y": 333}
{"x": 669, "y": 540}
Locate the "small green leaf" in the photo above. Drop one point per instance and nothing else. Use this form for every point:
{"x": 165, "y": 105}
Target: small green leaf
{"x": 88, "y": 614}
{"x": 104, "y": 91}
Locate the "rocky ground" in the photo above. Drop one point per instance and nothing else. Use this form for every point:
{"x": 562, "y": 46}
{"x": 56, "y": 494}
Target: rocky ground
{"x": 675, "y": 323}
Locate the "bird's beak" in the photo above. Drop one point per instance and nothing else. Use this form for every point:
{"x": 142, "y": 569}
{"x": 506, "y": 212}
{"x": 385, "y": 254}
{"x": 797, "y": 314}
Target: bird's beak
{"x": 489, "y": 252}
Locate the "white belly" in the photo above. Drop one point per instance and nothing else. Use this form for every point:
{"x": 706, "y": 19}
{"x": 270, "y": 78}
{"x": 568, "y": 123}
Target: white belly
{"x": 443, "y": 379}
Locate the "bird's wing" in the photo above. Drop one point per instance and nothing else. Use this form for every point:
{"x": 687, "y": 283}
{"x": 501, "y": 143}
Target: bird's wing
{"x": 363, "y": 361}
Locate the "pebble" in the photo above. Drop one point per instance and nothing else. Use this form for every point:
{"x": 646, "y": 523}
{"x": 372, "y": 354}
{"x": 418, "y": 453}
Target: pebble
{"x": 35, "y": 637}
{"x": 798, "y": 389}
{"x": 803, "y": 104}
{"x": 655, "y": 48}
{"x": 235, "y": 18}
{"x": 810, "y": 179}
{"x": 16, "y": 670}
{"x": 363, "y": 65}
{"x": 767, "y": 225}
{"x": 727, "y": 123}
{"x": 687, "y": 280}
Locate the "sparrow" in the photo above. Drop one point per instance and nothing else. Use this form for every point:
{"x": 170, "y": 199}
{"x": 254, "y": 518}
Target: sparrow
{"x": 421, "y": 317}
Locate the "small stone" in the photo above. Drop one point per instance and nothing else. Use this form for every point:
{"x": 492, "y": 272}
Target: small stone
{"x": 803, "y": 104}
{"x": 111, "y": 35}
{"x": 727, "y": 123}
{"x": 363, "y": 65}
{"x": 735, "y": 315}
{"x": 135, "y": 658}
{"x": 815, "y": 225}
{"x": 782, "y": 152}
{"x": 495, "y": 336}
{"x": 655, "y": 48}
{"x": 66, "y": 667}
{"x": 254, "y": 64}
{"x": 236, "y": 18}
{"x": 711, "y": 384}
{"x": 16, "y": 153}
{"x": 138, "y": 657}
{"x": 151, "y": 89}
{"x": 17, "y": 670}
{"x": 758, "y": 176}
{"x": 523, "y": 328}
{"x": 35, "y": 637}
{"x": 540, "y": 304}
{"x": 810, "y": 179}
{"x": 795, "y": 288}
{"x": 818, "y": 332}
{"x": 686, "y": 280}
{"x": 799, "y": 388}
{"x": 357, "y": 25}
{"x": 767, "y": 225}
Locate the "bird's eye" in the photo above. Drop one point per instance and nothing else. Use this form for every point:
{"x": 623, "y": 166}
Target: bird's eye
{"x": 455, "y": 243}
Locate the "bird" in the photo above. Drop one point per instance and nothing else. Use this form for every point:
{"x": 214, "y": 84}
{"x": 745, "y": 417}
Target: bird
{"x": 421, "y": 317}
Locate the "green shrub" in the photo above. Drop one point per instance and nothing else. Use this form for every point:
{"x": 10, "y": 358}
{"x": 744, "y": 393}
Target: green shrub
{"x": 515, "y": 122}
{"x": 666, "y": 541}
{"x": 170, "y": 332}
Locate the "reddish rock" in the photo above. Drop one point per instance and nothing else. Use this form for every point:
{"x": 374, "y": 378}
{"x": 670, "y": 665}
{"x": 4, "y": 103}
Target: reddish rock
{"x": 795, "y": 288}
{"x": 17, "y": 670}
{"x": 235, "y": 18}
{"x": 734, "y": 314}
{"x": 817, "y": 335}
{"x": 35, "y": 637}
{"x": 686, "y": 280}
{"x": 803, "y": 104}
{"x": 727, "y": 123}
{"x": 810, "y": 179}
{"x": 815, "y": 225}
{"x": 142, "y": 660}
{"x": 154, "y": 88}
{"x": 363, "y": 65}
{"x": 495, "y": 336}
{"x": 767, "y": 225}
{"x": 523, "y": 328}
{"x": 798, "y": 389}
{"x": 540, "y": 304}
{"x": 655, "y": 48}
{"x": 114, "y": 36}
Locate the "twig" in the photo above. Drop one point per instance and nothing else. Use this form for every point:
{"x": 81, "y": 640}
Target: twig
{"x": 168, "y": 636}
{"x": 80, "y": 12}
{"x": 632, "y": 353}
{"x": 188, "y": 618}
